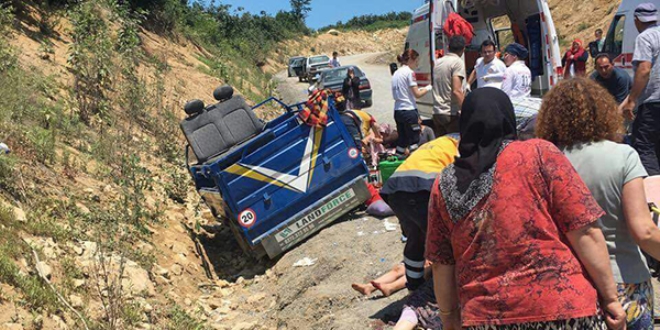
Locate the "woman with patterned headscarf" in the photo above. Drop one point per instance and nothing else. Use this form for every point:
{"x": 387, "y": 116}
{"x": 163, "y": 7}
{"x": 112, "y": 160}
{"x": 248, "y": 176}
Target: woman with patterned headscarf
{"x": 513, "y": 233}
{"x": 575, "y": 60}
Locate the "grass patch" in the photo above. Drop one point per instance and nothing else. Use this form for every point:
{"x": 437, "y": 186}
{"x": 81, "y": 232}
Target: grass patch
{"x": 583, "y": 26}
{"x": 180, "y": 320}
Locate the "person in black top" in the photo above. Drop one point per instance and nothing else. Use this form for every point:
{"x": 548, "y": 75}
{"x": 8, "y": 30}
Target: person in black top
{"x": 617, "y": 82}
{"x": 351, "y": 90}
{"x": 596, "y": 46}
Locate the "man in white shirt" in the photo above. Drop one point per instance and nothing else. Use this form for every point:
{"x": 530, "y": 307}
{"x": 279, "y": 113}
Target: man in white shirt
{"x": 489, "y": 70}
{"x": 517, "y": 81}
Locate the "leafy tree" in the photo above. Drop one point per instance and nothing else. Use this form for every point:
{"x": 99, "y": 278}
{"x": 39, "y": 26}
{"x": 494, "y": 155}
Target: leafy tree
{"x": 300, "y": 9}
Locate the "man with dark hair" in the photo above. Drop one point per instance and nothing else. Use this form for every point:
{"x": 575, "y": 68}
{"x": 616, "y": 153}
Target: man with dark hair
{"x": 448, "y": 77}
{"x": 615, "y": 80}
{"x": 596, "y": 46}
{"x": 646, "y": 88}
{"x": 517, "y": 82}
{"x": 489, "y": 70}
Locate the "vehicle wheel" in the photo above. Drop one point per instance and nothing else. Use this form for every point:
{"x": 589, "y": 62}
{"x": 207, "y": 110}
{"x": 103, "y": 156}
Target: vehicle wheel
{"x": 299, "y": 79}
{"x": 368, "y": 103}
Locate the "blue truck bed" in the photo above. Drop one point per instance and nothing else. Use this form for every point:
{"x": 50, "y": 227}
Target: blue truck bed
{"x": 286, "y": 183}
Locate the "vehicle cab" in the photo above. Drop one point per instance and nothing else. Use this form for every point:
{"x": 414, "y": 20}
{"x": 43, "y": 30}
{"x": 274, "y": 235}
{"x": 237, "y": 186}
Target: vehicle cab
{"x": 531, "y": 25}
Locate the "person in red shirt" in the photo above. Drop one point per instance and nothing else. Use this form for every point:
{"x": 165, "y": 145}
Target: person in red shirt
{"x": 504, "y": 220}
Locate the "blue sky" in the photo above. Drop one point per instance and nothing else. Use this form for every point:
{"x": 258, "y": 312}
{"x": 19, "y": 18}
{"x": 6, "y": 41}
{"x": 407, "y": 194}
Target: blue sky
{"x": 326, "y": 12}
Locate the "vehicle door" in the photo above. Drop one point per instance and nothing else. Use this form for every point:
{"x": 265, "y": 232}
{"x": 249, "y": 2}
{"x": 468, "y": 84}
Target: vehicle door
{"x": 620, "y": 39}
{"x": 292, "y": 63}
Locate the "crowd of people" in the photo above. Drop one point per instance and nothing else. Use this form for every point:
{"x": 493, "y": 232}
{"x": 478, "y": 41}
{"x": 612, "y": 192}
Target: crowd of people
{"x": 527, "y": 231}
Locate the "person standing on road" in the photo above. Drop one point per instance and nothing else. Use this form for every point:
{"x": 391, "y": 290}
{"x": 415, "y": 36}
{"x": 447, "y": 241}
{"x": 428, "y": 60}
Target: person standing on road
{"x": 582, "y": 120}
{"x": 448, "y": 78}
{"x": 405, "y": 93}
{"x": 615, "y": 80}
{"x": 335, "y": 61}
{"x": 351, "y": 90}
{"x": 646, "y": 88}
{"x": 575, "y": 61}
{"x": 489, "y": 70}
{"x": 517, "y": 81}
{"x": 513, "y": 232}
{"x": 596, "y": 46}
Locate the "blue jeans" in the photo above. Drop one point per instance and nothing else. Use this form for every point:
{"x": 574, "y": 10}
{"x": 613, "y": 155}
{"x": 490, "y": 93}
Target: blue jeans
{"x": 646, "y": 136}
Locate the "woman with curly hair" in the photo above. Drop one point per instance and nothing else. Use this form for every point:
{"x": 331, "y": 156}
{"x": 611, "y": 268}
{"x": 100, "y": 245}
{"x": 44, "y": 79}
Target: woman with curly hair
{"x": 581, "y": 118}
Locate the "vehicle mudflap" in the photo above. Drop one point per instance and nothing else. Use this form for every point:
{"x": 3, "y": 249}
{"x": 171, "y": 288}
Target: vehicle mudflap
{"x": 316, "y": 217}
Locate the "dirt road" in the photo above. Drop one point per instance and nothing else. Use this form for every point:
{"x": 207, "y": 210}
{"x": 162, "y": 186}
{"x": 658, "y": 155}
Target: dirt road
{"x": 379, "y": 76}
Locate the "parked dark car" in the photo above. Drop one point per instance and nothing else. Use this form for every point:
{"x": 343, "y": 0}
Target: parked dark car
{"x": 333, "y": 79}
{"x": 297, "y": 67}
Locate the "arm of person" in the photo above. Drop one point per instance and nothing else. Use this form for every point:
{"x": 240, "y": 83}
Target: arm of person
{"x": 440, "y": 253}
{"x": 472, "y": 77}
{"x": 444, "y": 285}
{"x": 419, "y": 92}
{"x": 584, "y": 57}
{"x": 638, "y": 218}
{"x": 643, "y": 57}
{"x": 378, "y": 138}
{"x": 457, "y": 89}
{"x": 588, "y": 243}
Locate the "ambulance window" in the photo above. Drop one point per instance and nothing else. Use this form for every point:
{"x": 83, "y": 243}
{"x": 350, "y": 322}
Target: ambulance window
{"x": 614, "y": 40}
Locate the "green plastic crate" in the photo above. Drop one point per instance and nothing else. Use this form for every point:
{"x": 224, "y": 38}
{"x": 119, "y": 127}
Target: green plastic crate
{"x": 387, "y": 168}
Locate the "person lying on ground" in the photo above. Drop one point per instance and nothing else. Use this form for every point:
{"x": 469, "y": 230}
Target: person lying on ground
{"x": 420, "y": 310}
{"x": 388, "y": 284}
{"x": 407, "y": 192}
{"x": 513, "y": 232}
{"x": 582, "y": 119}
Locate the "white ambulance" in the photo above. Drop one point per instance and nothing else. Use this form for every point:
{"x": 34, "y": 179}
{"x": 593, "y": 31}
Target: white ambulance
{"x": 531, "y": 26}
{"x": 620, "y": 39}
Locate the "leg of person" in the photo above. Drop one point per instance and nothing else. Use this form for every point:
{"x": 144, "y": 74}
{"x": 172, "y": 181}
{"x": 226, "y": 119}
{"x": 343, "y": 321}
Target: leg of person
{"x": 411, "y": 210}
{"x": 402, "y": 140}
{"x": 407, "y": 321}
{"x": 439, "y": 125}
{"x": 394, "y": 276}
{"x": 637, "y": 300}
{"x": 453, "y": 126}
{"x": 424, "y": 304}
{"x": 413, "y": 129}
{"x": 389, "y": 288}
{"x": 646, "y": 136}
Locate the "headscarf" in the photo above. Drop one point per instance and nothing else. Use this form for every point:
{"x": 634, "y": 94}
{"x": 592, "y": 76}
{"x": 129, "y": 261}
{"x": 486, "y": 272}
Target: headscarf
{"x": 576, "y": 53}
{"x": 518, "y": 50}
{"x": 487, "y": 121}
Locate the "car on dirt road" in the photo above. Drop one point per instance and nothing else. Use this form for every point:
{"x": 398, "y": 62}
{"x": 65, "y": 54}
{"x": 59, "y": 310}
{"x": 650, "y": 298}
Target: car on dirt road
{"x": 333, "y": 79}
{"x": 296, "y": 67}
{"x": 316, "y": 64}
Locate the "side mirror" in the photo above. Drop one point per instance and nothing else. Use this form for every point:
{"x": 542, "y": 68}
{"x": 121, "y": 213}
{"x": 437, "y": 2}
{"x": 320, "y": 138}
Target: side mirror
{"x": 393, "y": 68}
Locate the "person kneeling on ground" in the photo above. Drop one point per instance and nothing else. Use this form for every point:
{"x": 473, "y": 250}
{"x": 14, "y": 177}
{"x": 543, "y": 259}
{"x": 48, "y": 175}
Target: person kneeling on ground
{"x": 361, "y": 124}
{"x": 407, "y": 192}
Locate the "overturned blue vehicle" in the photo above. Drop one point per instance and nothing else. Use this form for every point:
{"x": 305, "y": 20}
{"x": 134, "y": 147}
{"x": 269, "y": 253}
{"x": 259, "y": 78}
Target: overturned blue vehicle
{"x": 273, "y": 183}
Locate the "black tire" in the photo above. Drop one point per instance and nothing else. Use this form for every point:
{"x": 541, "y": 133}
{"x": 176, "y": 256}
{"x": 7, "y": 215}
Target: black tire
{"x": 367, "y": 103}
{"x": 300, "y": 79}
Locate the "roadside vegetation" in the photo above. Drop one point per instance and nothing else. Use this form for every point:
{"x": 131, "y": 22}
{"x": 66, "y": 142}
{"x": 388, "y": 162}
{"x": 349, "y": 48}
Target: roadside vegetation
{"x": 370, "y": 23}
